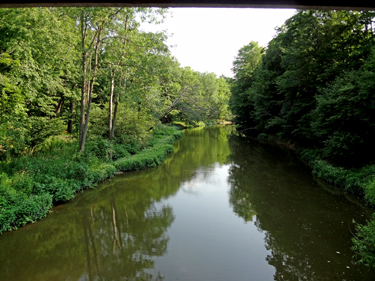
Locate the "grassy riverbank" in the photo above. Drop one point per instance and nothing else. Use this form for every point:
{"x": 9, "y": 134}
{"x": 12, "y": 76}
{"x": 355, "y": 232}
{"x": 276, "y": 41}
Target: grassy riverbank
{"x": 193, "y": 124}
{"x": 30, "y": 185}
{"x": 359, "y": 181}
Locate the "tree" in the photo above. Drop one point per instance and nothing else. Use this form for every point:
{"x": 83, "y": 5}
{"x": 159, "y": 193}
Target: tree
{"x": 244, "y": 65}
{"x": 38, "y": 55}
{"x": 344, "y": 116}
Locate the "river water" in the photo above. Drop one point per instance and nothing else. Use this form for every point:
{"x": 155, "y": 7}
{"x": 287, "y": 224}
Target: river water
{"x": 220, "y": 208}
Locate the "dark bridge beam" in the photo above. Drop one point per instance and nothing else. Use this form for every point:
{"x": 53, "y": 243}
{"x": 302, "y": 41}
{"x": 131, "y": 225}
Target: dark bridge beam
{"x": 299, "y": 4}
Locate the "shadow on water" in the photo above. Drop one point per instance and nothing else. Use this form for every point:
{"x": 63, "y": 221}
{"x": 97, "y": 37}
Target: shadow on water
{"x": 115, "y": 231}
{"x": 307, "y": 224}
{"x": 120, "y": 230}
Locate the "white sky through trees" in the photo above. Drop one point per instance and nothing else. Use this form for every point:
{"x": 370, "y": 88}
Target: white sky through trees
{"x": 208, "y": 39}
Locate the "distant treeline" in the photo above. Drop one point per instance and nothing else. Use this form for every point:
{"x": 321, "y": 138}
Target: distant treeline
{"x": 313, "y": 87}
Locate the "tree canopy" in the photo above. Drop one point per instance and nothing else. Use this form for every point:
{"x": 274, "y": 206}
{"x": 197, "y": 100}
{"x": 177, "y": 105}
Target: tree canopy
{"x": 94, "y": 72}
{"x": 313, "y": 88}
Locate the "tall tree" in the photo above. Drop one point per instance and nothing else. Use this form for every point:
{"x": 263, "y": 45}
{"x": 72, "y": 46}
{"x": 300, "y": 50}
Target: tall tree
{"x": 244, "y": 65}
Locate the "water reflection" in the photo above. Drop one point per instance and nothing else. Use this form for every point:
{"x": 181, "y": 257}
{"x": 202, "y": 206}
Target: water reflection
{"x": 116, "y": 231}
{"x": 307, "y": 229}
{"x": 99, "y": 237}
{"x": 121, "y": 245}
{"x": 174, "y": 222}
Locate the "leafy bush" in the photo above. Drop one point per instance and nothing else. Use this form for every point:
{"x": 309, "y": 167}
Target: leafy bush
{"x": 152, "y": 156}
{"x": 120, "y": 151}
{"x": 17, "y": 209}
{"x": 98, "y": 121}
{"x": 344, "y": 119}
{"x": 42, "y": 128}
{"x": 22, "y": 182}
{"x": 146, "y": 159}
{"x": 29, "y": 185}
{"x": 163, "y": 130}
{"x": 199, "y": 124}
{"x": 364, "y": 243}
{"x": 131, "y": 144}
{"x": 12, "y": 139}
{"x": 370, "y": 192}
{"x": 99, "y": 147}
{"x": 50, "y": 144}
{"x": 210, "y": 122}
{"x": 354, "y": 180}
{"x": 99, "y": 173}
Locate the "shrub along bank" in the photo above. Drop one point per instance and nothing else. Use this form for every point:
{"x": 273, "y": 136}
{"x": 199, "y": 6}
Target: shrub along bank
{"x": 359, "y": 181}
{"x": 194, "y": 124}
{"x": 31, "y": 185}
{"x": 314, "y": 86}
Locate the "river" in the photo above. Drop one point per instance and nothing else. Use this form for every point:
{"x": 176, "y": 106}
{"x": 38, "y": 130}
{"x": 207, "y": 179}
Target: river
{"x": 220, "y": 208}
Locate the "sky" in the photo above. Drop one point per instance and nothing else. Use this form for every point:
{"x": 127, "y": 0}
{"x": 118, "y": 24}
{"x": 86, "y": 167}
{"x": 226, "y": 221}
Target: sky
{"x": 208, "y": 39}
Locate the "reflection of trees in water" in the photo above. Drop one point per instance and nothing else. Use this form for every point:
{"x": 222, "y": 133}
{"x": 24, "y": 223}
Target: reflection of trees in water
{"x": 123, "y": 238}
{"x": 304, "y": 225}
{"x": 119, "y": 247}
{"x": 289, "y": 265}
{"x": 115, "y": 231}
{"x": 196, "y": 156}
{"x": 139, "y": 235}
{"x": 240, "y": 201}
{"x": 204, "y": 147}
{"x": 112, "y": 233}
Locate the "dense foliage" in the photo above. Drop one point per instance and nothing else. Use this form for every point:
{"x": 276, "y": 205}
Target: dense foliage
{"x": 82, "y": 94}
{"x": 124, "y": 222}
{"x": 313, "y": 88}
{"x": 94, "y": 72}
{"x": 29, "y": 186}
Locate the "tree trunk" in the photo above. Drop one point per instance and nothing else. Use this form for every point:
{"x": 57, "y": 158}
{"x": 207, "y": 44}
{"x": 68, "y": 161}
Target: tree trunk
{"x": 71, "y": 117}
{"x": 83, "y": 89}
{"x": 90, "y": 91}
{"x": 110, "y": 117}
{"x": 171, "y": 107}
{"x": 60, "y": 105}
{"x": 115, "y": 111}
{"x": 112, "y": 129}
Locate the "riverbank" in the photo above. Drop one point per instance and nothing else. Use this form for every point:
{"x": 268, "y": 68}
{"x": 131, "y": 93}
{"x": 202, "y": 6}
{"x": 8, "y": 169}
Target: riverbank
{"x": 219, "y": 199}
{"x": 359, "y": 181}
{"x": 31, "y": 185}
{"x": 184, "y": 125}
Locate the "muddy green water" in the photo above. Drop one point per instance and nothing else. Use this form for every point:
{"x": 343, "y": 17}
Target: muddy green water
{"x": 221, "y": 208}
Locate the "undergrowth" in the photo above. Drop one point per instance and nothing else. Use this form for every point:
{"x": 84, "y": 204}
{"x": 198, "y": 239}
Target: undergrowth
{"x": 360, "y": 181}
{"x": 30, "y": 185}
